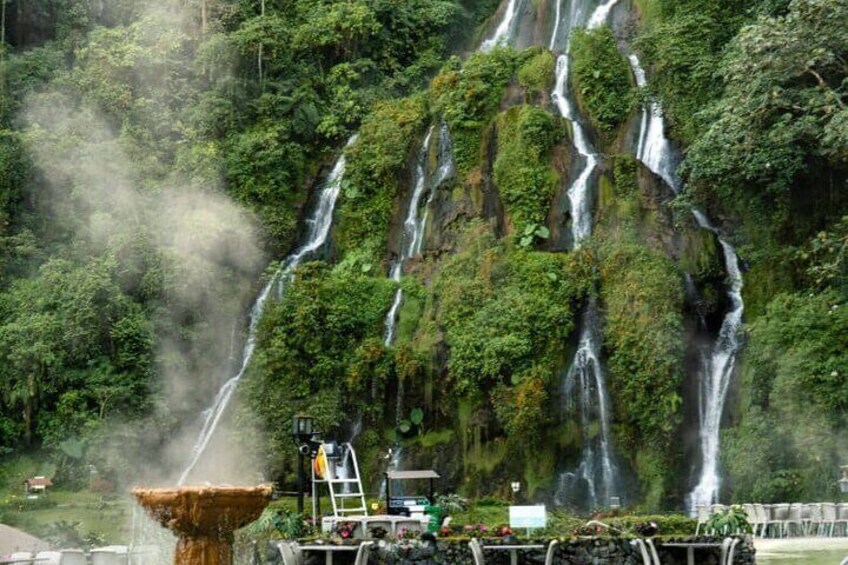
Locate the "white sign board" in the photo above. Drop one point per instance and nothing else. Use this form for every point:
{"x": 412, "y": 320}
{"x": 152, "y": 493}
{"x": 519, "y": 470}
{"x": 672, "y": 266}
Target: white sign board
{"x": 528, "y": 517}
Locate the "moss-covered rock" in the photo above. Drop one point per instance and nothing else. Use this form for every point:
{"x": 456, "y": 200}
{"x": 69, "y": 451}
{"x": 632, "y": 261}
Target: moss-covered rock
{"x": 601, "y": 78}
{"x": 523, "y": 174}
{"x": 376, "y": 167}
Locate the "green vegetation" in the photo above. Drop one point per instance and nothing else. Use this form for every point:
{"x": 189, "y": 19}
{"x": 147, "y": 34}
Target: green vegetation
{"x": 376, "y": 163}
{"x": 525, "y": 179}
{"x": 328, "y": 370}
{"x": 601, "y": 78}
{"x": 126, "y": 131}
{"x": 642, "y": 292}
{"x": 537, "y": 75}
{"x": 506, "y": 313}
{"x": 467, "y": 97}
{"x": 153, "y": 155}
{"x": 757, "y": 90}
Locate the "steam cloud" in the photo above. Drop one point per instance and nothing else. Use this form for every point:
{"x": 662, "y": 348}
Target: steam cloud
{"x": 205, "y": 249}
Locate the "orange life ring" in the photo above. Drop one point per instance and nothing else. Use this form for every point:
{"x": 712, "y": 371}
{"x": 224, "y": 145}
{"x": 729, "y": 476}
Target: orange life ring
{"x": 319, "y": 464}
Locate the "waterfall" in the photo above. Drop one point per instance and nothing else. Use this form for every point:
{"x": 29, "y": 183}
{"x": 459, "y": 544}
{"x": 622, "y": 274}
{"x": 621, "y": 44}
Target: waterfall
{"x": 596, "y": 479}
{"x": 715, "y": 379}
{"x": 412, "y": 243}
{"x": 503, "y": 33}
{"x": 656, "y": 152}
{"x": 597, "y": 473}
{"x": 413, "y": 231}
{"x": 653, "y": 147}
{"x": 601, "y": 13}
{"x": 319, "y": 228}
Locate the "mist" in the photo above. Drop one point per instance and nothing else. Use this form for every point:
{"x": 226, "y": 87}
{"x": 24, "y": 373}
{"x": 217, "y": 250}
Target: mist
{"x": 181, "y": 240}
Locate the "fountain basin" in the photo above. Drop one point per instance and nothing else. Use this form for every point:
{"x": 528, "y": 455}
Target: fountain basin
{"x": 204, "y": 517}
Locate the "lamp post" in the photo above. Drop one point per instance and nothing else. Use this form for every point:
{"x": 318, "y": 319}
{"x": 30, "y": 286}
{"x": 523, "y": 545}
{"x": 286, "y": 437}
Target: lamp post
{"x": 516, "y": 486}
{"x": 302, "y": 432}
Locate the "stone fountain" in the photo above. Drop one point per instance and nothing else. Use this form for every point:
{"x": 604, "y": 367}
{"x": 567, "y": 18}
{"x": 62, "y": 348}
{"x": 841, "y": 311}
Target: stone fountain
{"x": 204, "y": 518}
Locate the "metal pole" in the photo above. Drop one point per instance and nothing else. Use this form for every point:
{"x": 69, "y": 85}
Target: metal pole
{"x": 300, "y": 478}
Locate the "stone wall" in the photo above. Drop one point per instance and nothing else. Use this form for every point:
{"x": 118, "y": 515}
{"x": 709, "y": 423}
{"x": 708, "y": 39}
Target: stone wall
{"x": 588, "y": 551}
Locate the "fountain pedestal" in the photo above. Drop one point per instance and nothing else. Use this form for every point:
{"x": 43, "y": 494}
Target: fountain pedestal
{"x": 204, "y": 518}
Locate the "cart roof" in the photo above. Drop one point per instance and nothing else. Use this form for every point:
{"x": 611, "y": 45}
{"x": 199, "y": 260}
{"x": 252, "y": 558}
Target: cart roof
{"x": 406, "y": 475}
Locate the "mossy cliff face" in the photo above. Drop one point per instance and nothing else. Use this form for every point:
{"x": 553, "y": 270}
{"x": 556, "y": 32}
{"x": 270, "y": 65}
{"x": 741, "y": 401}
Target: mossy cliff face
{"x": 487, "y": 328}
{"x": 491, "y": 306}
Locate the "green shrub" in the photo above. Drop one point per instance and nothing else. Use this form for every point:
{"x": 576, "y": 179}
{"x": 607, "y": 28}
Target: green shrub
{"x": 506, "y": 312}
{"x": 375, "y": 167}
{"x": 728, "y": 521}
{"x": 467, "y": 97}
{"x": 538, "y": 74}
{"x": 524, "y": 177}
{"x": 642, "y": 293}
{"x": 601, "y": 77}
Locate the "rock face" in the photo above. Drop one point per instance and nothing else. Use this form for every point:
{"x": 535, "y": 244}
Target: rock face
{"x": 204, "y": 518}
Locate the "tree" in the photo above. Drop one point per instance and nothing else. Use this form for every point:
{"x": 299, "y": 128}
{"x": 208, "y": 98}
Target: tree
{"x": 784, "y": 104}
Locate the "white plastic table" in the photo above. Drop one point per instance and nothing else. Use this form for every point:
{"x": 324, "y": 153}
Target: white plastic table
{"x": 691, "y": 547}
{"x": 328, "y": 549}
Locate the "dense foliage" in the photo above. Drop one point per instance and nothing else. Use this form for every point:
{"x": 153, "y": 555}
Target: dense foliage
{"x": 376, "y": 166}
{"x": 153, "y": 155}
{"x": 601, "y": 78}
{"x": 758, "y": 89}
{"x": 122, "y": 126}
{"x": 327, "y": 370}
{"x": 467, "y": 96}
{"x": 525, "y": 178}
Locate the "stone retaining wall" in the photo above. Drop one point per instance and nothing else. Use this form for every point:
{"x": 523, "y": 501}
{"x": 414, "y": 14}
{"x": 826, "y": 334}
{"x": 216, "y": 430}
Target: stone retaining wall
{"x": 589, "y": 551}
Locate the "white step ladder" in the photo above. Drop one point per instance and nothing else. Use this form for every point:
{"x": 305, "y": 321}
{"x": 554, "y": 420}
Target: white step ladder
{"x": 346, "y": 493}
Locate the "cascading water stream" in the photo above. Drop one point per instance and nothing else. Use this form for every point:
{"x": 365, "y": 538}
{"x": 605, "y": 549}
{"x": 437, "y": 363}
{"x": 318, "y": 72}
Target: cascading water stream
{"x": 597, "y": 472}
{"x": 413, "y": 231}
{"x": 653, "y": 147}
{"x": 503, "y": 33}
{"x": 715, "y": 380}
{"x": 656, "y": 152}
{"x": 319, "y": 228}
{"x": 413, "y": 240}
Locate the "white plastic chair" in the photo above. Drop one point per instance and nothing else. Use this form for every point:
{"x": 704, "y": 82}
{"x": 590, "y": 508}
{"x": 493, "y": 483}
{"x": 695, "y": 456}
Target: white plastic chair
{"x": 795, "y": 516}
{"x": 762, "y": 518}
{"x": 829, "y": 516}
{"x": 549, "y": 556}
{"x": 728, "y": 548}
{"x": 815, "y": 518}
{"x": 703, "y": 516}
{"x": 290, "y": 553}
{"x": 21, "y": 555}
{"x": 842, "y": 517}
{"x": 363, "y": 552}
{"x": 477, "y": 552}
{"x": 779, "y": 515}
{"x": 643, "y": 551}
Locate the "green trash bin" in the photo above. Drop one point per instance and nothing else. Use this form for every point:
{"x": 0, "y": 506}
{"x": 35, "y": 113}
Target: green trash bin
{"x": 435, "y": 514}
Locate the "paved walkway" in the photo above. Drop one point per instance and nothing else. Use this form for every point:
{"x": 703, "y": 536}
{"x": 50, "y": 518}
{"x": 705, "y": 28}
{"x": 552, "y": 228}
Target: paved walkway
{"x": 12, "y": 539}
{"x": 807, "y": 551}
